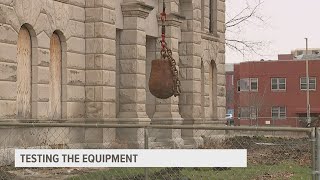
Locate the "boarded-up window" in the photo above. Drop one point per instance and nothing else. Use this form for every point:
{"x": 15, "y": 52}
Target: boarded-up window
{"x": 55, "y": 77}
{"x": 24, "y": 74}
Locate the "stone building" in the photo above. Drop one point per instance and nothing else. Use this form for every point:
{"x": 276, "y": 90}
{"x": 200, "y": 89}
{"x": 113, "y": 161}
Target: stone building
{"x": 90, "y": 59}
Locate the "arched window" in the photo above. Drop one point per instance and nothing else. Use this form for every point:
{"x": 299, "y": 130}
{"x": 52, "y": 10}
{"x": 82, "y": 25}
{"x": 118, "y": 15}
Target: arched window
{"x": 202, "y": 91}
{"x": 213, "y": 89}
{"x": 24, "y": 55}
{"x": 55, "y": 77}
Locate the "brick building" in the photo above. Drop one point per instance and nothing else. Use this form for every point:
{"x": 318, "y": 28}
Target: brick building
{"x": 274, "y": 92}
{"x": 90, "y": 59}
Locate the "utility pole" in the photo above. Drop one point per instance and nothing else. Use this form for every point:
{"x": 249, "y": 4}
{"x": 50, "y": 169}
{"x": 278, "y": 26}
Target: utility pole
{"x": 307, "y": 79}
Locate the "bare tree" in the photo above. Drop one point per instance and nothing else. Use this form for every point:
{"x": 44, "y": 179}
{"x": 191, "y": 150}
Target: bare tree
{"x": 254, "y": 102}
{"x": 257, "y": 102}
{"x": 230, "y": 94}
{"x": 235, "y": 24}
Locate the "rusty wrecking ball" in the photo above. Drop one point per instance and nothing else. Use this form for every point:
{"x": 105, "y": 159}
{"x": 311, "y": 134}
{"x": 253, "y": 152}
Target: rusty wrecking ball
{"x": 160, "y": 82}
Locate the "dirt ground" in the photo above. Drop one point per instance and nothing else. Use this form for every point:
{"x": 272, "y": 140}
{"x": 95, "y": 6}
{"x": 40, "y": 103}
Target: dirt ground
{"x": 271, "y": 150}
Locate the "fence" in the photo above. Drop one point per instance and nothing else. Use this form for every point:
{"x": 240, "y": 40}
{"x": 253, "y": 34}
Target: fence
{"x": 273, "y": 152}
{"x": 269, "y": 121}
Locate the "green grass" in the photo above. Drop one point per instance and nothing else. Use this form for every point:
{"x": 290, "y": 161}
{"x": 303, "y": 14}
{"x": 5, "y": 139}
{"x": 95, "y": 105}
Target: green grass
{"x": 281, "y": 171}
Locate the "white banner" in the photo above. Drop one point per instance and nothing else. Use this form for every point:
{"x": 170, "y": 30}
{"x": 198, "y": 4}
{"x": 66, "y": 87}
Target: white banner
{"x": 130, "y": 158}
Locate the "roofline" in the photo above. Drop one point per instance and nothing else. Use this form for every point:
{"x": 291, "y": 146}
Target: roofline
{"x": 273, "y": 61}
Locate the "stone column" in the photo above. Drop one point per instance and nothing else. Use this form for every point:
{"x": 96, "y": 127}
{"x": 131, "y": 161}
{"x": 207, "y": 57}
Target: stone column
{"x": 100, "y": 66}
{"x": 167, "y": 110}
{"x": 190, "y": 69}
{"x": 133, "y": 71}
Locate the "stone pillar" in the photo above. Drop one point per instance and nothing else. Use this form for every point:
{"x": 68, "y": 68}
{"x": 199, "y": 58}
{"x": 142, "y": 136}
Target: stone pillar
{"x": 221, "y": 80}
{"x": 190, "y": 68}
{"x": 167, "y": 110}
{"x": 133, "y": 70}
{"x": 100, "y": 66}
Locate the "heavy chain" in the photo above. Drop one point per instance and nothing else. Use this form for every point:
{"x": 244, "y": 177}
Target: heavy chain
{"x": 166, "y": 54}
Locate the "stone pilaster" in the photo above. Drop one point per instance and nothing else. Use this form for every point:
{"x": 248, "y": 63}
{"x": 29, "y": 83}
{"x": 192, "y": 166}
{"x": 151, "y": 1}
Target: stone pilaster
{"x": 190, "y": 68}
{"x": 167, "y": 110}
{"x": 133, "y": 70}
{"x": 100, "y": 65}
{"x": 221, "y": 80}
{"x": 8, "y": 67}
{"x": 133, "y": 60}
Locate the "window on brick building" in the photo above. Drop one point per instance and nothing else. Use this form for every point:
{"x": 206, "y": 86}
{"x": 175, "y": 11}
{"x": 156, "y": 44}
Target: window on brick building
{"x": 278, "y": 83}
{"x": 254, "y": 84}
{"x": 253, "y": 112}
{"x": 244, "y": 84}
{"x": 244, "y": 112}
{"x": 248, "y": 84}
{"x": 312, "y": 83}
{"x": 248, "y": 112}
{"x": 278, "y": 112}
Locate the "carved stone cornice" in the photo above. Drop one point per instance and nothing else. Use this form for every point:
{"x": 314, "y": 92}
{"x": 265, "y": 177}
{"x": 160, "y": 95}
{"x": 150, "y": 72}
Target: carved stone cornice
{"x": 136, "y": 9}
{"x": 173, "y": 19}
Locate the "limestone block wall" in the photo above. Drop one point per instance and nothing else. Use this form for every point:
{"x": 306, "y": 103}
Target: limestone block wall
{"x": 100, "y": 67}
{"x": 190, "y": 59}
{"x": 213, "y": 59}
{"x": 100, "y": 59}
{"x": 202, "y": 60}
{"x": 106, "y": 51}
{"x": 42, "y": 19}
{"x": 87, "y": 33}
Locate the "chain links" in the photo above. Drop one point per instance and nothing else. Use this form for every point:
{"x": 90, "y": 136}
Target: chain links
{"x": 166, "y": 54}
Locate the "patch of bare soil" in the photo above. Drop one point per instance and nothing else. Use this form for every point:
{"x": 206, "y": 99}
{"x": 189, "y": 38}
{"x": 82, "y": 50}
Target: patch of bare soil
{"x": 268, "y": 150}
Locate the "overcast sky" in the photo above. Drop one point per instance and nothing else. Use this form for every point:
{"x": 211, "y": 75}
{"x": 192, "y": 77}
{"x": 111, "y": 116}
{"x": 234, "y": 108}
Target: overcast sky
{"x": 288, "y": 23}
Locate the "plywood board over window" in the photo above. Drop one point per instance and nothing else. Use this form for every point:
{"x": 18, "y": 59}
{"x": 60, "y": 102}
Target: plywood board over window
{"x": 24, "y": 54}
{"x": 55, "y": 77}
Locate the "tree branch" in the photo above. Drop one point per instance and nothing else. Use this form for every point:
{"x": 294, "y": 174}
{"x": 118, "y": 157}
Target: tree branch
{"x": 235, "y": 25}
